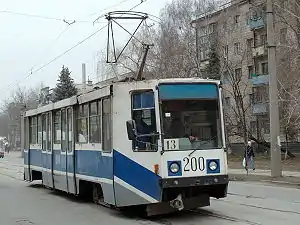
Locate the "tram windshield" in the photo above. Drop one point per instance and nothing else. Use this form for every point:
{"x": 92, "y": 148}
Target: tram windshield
{"x": 191, "y": 124}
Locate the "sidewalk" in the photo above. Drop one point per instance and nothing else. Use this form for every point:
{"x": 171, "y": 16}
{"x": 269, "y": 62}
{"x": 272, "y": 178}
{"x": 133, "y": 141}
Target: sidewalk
{"x": 290, "y": 178}
{"x": 12, "y": 165}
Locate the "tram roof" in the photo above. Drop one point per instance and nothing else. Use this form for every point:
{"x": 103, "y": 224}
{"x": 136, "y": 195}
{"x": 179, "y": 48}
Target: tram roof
{"x": 102, "y": 89}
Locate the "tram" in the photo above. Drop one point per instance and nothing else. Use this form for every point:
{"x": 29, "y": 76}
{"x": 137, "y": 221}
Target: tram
{"x": 155, "y": 144}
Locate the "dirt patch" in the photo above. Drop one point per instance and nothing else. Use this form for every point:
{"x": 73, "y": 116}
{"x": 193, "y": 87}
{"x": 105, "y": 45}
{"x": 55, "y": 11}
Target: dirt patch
{"x": 263, "y": 163}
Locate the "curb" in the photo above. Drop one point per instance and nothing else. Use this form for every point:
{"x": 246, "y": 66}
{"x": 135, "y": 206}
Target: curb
{"x": 262, "y": 178}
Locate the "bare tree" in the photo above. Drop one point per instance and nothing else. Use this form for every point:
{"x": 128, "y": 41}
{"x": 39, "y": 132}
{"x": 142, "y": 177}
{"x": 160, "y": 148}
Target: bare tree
{"x": 20, "y": 100}
{"x": 288, "y": 42}
{"x": 174, "y": 51}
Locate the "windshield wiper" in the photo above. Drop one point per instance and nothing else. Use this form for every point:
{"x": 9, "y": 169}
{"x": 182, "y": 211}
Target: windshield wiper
{"x": 195, "y": 149}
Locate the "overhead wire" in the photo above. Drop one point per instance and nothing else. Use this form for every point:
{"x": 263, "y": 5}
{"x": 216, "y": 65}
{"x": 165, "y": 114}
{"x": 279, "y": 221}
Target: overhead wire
{"x": 65, "y": 52}
{"x": 41, "y": 17}
{"x": 60, "y": 55}
{"x": 103, "y": 10}
{"x": 53, "y": 42}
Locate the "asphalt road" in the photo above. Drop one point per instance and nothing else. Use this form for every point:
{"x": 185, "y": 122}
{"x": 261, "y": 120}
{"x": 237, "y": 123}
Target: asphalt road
{"x": 247, "y": 203}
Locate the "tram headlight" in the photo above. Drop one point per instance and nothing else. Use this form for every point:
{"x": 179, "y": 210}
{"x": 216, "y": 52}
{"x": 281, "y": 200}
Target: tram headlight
{"x": 213, "y": 165}
{"x": 174, "y": 167}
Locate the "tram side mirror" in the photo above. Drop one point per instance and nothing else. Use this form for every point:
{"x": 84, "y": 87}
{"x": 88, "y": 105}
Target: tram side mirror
{"x": 131, "y": 129}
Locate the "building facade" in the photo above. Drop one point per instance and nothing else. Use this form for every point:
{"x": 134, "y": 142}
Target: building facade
{"x": 238, "y": 33}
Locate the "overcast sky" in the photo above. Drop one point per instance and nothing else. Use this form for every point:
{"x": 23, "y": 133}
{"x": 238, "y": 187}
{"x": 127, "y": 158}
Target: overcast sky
{"x": 27, "y": 42}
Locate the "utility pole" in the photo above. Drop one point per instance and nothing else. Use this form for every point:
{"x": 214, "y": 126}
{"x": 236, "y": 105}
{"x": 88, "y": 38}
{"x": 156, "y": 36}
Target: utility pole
{"x": 276, "y": 170}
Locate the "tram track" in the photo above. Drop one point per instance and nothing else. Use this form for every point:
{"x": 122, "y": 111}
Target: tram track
{"x": 167, "y": 219}
{"x": 203, "y": 212}
{"x": 260, "y": 207}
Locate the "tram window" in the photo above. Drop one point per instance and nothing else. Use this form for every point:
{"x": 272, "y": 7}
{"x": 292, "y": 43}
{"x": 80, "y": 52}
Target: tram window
{"x": 57, "y": 127}
{"x": 33, "y": 130}
{"x": 27, "y": 135}
{"x": 94, "y": 122}
{"x": 144, "y": 116}
{"x": 39, "y": 129}
{"x": 82, "y": 123}
{"x": 197, "y": 119}
{"x": 49, "y": 136}
{"x": 106, "y": 125}
{"x": 44, "y": 134}
{"x": 70, "y": 129}
{"x": 63, "y": 130}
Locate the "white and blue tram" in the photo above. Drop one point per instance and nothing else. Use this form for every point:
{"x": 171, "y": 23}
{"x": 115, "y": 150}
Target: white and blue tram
{"x": 159, "y": 144}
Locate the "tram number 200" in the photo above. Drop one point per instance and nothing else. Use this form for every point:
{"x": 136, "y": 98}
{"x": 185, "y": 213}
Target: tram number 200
{"x": 193, "y": 164}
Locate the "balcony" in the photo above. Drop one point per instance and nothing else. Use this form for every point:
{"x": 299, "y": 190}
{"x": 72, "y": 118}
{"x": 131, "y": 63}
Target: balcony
{"x": 256, "y": 23}
{"x": 259, "y": 79}
{"x": 259, "y": 51}
{"x": 260, "y": 108}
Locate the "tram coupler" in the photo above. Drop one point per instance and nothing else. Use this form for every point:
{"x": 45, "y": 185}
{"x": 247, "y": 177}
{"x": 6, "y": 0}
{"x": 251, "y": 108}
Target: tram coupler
{"x": 177, "y": 203}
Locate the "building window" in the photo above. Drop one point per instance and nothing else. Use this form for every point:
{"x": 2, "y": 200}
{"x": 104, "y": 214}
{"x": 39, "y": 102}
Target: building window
{"x": 249, "y": 44}
{"x": 263, "y": 39}
{"x": 82, "y": 123}
{"x": 250, "y": 72}
{"x": 253, "y": 127}
{"x": 236, "y": 20}
{"x": 260, "y": 94}
{"x": 264, "y": 68}
{"x": 33, "y": 130}
{"x": 265, "y": 124}
{"x": 283, "y": 34}
{"x": 211, "y": 28}
{"x": 95, "y": 122}
{"x": 250, "y": 99}
{"x": 225, "y": 50}
{"x": 237, "y": 48}
{"x": 57, "y": 127}
{"x": 260, "y": 39}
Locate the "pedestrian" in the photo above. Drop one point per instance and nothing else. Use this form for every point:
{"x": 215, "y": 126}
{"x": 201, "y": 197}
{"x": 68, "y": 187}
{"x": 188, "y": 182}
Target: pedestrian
{"x": 249, "y": 157}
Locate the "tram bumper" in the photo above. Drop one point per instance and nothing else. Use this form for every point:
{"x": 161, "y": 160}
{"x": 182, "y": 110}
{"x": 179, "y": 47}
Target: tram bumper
{"x": 194, "y": 181}
{"x": 187, "y": 193}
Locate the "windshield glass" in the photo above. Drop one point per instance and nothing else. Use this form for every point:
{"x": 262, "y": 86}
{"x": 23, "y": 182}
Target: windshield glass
{"x": 191, "y": 124}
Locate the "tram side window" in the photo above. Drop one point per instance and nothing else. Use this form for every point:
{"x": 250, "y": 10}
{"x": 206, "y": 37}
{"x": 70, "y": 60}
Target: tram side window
{"x": 94, "y": 122}
{"x": 33, "y": 130}
{"x": 57, "y": 127}
{"x": 143, "y": 113}
{"x": 39, "y": 127}
{"x": 27, "y": 133}
{"x": 106, "y": 125}
{"x": 82, "y": 123}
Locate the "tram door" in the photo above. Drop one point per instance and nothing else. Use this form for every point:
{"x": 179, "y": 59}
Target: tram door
{"x": 46, "y": 135}
{"x": 64, "y": 147}
{"x": 67, "y": 151}
{"x": 70, "y": 159}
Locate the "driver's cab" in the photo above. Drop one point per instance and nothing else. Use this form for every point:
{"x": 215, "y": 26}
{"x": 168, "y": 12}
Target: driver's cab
{"x": 190, "y": 127}
{"x": 142, "y": 129}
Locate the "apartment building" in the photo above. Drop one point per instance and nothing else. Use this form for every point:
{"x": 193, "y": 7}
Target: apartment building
{"x": 238, "y": 32}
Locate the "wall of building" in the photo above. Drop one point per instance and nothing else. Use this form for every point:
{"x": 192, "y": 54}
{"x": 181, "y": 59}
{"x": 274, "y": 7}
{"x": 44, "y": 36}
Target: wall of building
{"x": 242, "y": 44}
